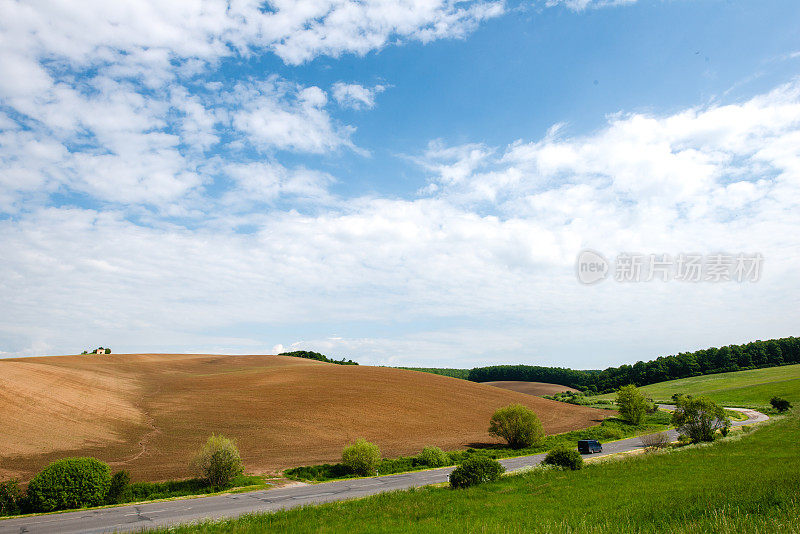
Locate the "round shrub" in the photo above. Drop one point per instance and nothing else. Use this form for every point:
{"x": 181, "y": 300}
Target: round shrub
{"x": 476, "y": 470}
{"x": 69, "y": 483}
{"x": 564, "y": 457}
{"x": 433, "y": 457}
{"x": 219, "y": 461}
{"x": 518, "y": 425}
{"x": 362, "y": 457}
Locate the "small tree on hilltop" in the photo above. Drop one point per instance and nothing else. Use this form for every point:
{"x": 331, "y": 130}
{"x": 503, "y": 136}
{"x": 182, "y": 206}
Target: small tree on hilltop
{"x": 518, "y": 425}
{"x": 699, "y": 418}
{"x": 632, "y": 404}
{"x": 782, "y": 405}
{"x": 219, "y": 461}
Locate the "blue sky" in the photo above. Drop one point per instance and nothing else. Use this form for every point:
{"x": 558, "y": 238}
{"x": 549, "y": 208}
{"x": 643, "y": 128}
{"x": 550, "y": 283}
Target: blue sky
{"x": 403, "y": 183}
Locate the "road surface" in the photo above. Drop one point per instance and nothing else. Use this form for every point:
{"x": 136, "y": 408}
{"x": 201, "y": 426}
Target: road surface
{"x": 131, "y": 518}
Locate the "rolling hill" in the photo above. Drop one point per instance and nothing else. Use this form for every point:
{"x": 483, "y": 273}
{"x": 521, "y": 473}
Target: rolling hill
{"x": 148, "y": 413}
{"x": 749, "y": 389}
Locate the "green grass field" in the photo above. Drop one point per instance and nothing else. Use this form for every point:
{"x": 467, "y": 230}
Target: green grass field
{"x": 748, "y": 389}
{"x": 746, "y": 484}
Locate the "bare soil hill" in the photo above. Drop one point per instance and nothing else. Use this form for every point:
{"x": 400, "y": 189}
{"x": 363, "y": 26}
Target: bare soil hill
{"x": 530, "y": 388}
{"x": 149, "y": 413}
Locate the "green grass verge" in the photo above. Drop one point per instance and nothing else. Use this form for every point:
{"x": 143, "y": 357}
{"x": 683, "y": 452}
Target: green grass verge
{"x": 609, "y": 430}
{"x": 747, "y": 389}
{"x": 150, "y": 491}
{"x": 750, "y": 483}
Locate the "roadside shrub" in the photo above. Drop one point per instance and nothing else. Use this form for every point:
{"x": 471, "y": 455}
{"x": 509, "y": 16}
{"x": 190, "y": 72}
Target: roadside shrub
{"x": 362, "y": 457}
{"x": 653, "y": 442}
{"x": 745, "y": 429}
{"x": 632, "y": 404}
{"x": 699, "y": 418}
{"x": 433, "y": 457}
{"x": 219, "y": 461}
{"x": 476, "y": 470}
{"x": 782, "y": 405}
{"x": 564, "y": 457}
{"x": 518, "y": 425}
{"x": 119, "y": 489}
{"x": 69, "y": 483}
{"x": 10, "y": 498}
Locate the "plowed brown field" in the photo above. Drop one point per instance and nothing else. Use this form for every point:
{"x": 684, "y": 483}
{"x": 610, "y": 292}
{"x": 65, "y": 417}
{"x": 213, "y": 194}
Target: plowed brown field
{"x": 530, "y": 388}
{"x": 148, "y": 413}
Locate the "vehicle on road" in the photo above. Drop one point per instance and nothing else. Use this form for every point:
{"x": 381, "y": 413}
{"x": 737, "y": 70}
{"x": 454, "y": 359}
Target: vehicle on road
{"x": 588, "y": 446}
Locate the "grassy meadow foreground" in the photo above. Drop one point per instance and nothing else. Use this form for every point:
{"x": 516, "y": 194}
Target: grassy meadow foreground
{"x": 149, "y": 413}
{"x": 748, "y": 389}
{"x": 747, "y": 483}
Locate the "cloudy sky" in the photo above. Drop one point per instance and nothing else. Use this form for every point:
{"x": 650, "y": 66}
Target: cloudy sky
{"x": 402, "y": 182}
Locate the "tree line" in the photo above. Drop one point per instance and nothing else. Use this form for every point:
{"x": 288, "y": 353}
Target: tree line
{"x": 317, "y": 356}
{"x": 753, "y": 355}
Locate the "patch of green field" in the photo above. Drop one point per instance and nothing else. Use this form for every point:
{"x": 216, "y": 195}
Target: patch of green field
{"x": 748, "y": 389}
{"x": 750, "y": 483}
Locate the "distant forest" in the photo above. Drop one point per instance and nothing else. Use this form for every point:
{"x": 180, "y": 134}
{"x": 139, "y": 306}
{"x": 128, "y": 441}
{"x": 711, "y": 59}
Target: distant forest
{"x": 317, "y": 356}
{"x": 752, "y": 355}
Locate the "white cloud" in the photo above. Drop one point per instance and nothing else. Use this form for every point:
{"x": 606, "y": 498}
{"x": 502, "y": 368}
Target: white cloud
{"x": 277, "y": 115}
{"x": 105, "y": 97}
{"x": 580, "y": 5}
{"x": 355, "y": 96}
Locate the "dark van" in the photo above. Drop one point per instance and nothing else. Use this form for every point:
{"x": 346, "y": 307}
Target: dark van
{"x": 588, "y": 446}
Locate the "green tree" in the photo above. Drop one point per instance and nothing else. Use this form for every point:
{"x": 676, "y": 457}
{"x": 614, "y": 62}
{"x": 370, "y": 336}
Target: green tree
{"x": 362, "y": 457}
{"x": 219, "y": 461}
{"x": 699, "y": 418}
{"x": 518, "y": 425}
{"x": 632, "y": 404}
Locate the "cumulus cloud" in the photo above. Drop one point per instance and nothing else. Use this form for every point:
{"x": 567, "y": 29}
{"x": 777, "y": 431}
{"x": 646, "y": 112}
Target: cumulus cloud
{"x": 109, "y": 98}
{"x": 488, "y": 256}
{"x": 278, "y": 115}
{"x": 355, "y": 96}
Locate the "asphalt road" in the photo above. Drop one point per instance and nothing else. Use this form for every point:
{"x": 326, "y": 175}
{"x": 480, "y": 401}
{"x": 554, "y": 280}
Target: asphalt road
{"x": 132, "y": 518}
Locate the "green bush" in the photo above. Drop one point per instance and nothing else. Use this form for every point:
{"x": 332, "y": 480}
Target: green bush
{"x": 782, "y": 405}
{"x": 219, "y": 461}
{"x": 518, "y": 425}
{"x": 564, "y": 457}
{"x": 120, "y": 488}
{"x": 433, "y": 457}
{"x": 476, "y": 470}
{"x": 362, "y": 457}
{"x": 10, "y": 498}
{"x": 69, "y": 483}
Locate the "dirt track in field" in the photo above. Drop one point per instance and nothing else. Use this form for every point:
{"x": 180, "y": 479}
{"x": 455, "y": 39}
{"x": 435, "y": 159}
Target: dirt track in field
{"x": 148, "y": 413}
{"x": 530, "y": 388}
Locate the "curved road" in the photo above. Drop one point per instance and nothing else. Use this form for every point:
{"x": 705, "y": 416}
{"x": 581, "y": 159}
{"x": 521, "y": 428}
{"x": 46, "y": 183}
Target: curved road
{"x": 131, "y": 518}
